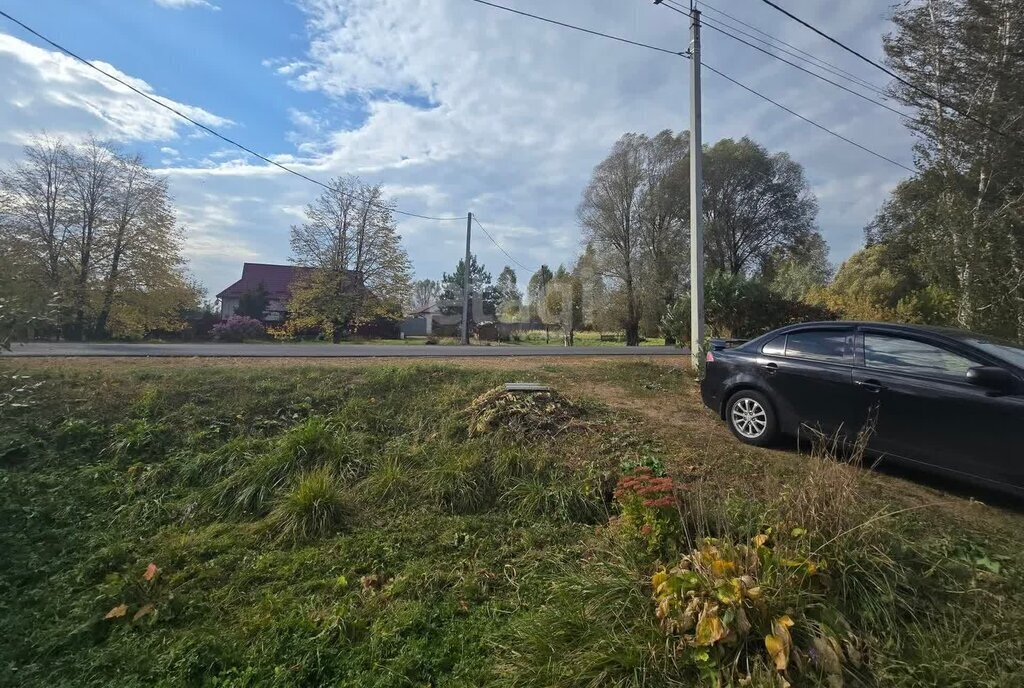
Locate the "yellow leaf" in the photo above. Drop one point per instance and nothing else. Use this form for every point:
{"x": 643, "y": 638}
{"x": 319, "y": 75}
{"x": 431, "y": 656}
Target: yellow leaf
{"x": 759, "y": 540}
{"x": 777, "y": 651}
{"x": 146, "y": 609}
{"x": 779, "y": 642}
{"x": 658, "y": 579}
{"x": 722, "y": 567}
{"x": 709, "y": 627}
{"x": 151, "y": 572}
{"x": 117, "y": 612}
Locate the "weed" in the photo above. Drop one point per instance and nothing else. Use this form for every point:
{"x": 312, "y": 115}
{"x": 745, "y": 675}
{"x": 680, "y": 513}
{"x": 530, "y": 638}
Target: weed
{"x": 140, "y": 439}
{"x": 460, "y": 483}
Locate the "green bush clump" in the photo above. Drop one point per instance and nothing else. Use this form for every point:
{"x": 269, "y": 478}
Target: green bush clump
{"x": 310, "y": 444}
{"x": 314, "y": 506}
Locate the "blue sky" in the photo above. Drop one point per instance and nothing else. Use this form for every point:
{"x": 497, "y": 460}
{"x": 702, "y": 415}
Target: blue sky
{"x": 451, "y": 105}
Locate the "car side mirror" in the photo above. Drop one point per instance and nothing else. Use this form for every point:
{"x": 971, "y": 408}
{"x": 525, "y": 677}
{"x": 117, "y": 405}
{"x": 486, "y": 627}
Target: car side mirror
{"x": 991, "y": 377}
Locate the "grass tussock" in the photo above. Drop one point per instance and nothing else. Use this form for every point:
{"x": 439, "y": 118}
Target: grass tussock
{"x": 313, "y": 507}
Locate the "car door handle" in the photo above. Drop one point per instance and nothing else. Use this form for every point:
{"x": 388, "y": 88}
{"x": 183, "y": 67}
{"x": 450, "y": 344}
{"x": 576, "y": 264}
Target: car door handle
{"x": 771, "y": 368}
{"x": 873, "y": 386}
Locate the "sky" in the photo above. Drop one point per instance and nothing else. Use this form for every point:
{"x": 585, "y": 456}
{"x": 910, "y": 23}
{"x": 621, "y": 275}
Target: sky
{"x": 450, "y": 105}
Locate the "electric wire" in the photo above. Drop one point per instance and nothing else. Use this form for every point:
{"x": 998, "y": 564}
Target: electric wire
{"x": 500, "y": 247}
{"x": 213, "y": 132}
{"x": 941, "y": 101}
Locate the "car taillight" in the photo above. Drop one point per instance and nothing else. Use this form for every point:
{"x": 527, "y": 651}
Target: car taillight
{"x": 710, "y": 357}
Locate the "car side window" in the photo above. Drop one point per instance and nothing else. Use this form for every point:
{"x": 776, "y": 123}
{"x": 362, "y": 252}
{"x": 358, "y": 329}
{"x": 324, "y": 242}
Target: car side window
{"x": 909, "y": 355}
{"x": 835, "y": 346}
{"x": 775, "y": 347}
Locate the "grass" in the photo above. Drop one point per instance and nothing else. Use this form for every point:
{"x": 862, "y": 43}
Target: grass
{"x": 356, "y": 524}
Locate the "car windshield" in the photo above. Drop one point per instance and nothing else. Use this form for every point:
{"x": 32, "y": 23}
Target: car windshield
{"x": 1011, "y": 353}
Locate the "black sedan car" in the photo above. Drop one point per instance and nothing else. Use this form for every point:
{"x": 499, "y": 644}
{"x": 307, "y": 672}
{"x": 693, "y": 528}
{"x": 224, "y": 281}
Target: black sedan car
{"x": 945, "y": 399}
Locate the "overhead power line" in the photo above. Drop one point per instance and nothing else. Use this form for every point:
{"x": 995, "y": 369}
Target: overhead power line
{"x": 211, "y": 131}
{"x": 806, "y": 119}
{"x": 620, "y": 39}
{"x": 500, "y": 247}
{"x": 711, "y": 25}
{"x": 719, "y": 73}
{"x": 810, "y": 57}
{"x": 941, "y": 101}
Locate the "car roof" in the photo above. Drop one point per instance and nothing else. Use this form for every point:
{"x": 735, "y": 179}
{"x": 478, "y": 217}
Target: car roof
{"x": 963, "y": 337}
{"x": 949, "y": 332}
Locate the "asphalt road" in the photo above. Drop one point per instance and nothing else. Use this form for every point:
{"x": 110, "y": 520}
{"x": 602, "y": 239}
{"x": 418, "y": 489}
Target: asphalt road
{"x": 207, "y": 350}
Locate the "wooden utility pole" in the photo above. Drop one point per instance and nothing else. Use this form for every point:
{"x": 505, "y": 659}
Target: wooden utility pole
{"x": 465, "y": 282}
{"x": 696, "y": 190}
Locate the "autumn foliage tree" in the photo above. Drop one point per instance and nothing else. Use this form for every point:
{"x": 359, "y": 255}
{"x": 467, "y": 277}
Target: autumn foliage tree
{"x": 359, "y": 270}
{"x": 93, "y": 225}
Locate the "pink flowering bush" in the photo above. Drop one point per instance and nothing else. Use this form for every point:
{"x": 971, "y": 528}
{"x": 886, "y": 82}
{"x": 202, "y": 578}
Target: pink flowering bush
{"x": 238, "y": 328}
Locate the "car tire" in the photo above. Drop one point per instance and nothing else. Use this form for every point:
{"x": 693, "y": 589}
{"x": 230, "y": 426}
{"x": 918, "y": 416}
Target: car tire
{"x": 751, "y": 418}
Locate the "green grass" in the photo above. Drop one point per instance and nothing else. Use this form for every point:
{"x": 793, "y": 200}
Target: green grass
{"x": 342, "y": 525}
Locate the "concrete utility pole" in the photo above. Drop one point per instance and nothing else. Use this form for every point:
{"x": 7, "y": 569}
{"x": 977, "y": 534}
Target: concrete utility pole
{"x": 465, "y": 283}
{"x": 696, "y": 205}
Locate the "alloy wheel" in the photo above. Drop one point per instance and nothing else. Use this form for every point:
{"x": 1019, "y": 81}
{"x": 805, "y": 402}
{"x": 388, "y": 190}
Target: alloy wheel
{"x": 749, "y": 418}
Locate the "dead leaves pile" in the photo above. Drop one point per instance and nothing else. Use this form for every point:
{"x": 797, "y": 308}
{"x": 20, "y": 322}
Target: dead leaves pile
{"x": 522, "y": 413}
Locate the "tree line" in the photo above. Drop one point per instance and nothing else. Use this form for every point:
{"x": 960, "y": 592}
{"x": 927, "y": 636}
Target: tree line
{"x": 88, "y": 237}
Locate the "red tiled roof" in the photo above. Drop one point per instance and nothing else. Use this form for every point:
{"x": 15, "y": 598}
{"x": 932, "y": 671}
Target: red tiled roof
{"x": 276, "y": 279}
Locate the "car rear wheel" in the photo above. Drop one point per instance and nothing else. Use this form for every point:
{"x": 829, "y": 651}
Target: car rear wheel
{"x": 751, "y": 417}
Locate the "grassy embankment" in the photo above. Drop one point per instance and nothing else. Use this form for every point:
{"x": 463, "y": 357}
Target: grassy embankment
{"x": 359, "y": 524}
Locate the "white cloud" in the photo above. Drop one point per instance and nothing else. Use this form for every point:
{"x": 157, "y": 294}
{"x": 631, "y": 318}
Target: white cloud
{"x": 51, "y": 90}
{"x": 470, "y": 108}
{"x": 183, "y": 4}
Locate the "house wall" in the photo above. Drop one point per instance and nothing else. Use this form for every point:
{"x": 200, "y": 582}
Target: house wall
{"x": 274, "y": 313}
{"x": 415, "y": 327}
{"x": 228, "y": 306}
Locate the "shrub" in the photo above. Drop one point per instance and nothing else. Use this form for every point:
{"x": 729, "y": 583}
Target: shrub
{"x": 303, "y": 327}
{"x": 726, "y": 607}
{"x": 238, "y": 328}
{"x": 649, "y": 515}
{"x": 314, "y": 507}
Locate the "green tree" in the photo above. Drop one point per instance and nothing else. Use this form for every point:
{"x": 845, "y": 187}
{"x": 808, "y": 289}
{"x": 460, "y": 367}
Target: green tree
{"x": 958, "y": 225}
{"x": 92, "y": 224}
{"x": 755, "y": 204}
{"x": 253, "y": 303}
{"x": 509, "y": 298}
{"x": 483, "y": 297}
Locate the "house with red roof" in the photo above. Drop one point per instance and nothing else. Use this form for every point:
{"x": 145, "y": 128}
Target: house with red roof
{"x": 276, "y": 279}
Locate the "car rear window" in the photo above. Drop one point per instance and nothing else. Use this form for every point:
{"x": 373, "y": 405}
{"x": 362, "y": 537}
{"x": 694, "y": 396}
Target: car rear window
{"x": 820, "y": 345}
{"x": 775, "y": 347}
{"x": 910, "y": 355}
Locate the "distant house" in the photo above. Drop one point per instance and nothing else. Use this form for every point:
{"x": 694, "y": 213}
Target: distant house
{"x": 420, "y": 322}
{"x": 276, "y": 279}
